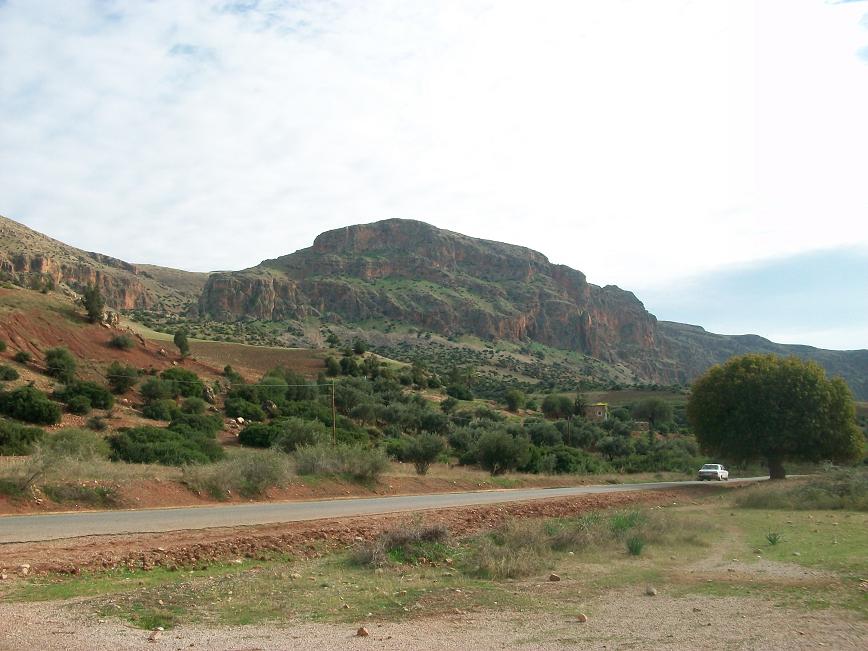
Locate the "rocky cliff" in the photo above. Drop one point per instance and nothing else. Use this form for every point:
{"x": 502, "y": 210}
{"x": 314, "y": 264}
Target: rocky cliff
{"x": 414, "y": 273}
{"x": 33, "y": 260}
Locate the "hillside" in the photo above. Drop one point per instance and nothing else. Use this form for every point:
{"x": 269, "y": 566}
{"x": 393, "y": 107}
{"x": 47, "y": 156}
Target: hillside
{"x": 33, "y": 260}
{"x": 415, "y": 292}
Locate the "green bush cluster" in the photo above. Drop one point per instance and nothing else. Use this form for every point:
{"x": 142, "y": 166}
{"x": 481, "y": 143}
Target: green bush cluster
{"x": 7, "y": 373}
{"x": 122, "y": 342}
{"x": 80, "y": 397}
{"x": 30, "y": 405}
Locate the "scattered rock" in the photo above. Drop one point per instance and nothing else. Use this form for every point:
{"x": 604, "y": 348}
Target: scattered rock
{"x": 295, "y": 576}
{"x": 797, "y": 554}
{"x": 3, "y": 576}
{"x": 581, "y": 618}
{"x": 240, "y": 420}
{"x": 346, "y": 606}
{"x": 554, "y": 577}
{"x": 651, "y": 591}
{"x": 154, "y": 636}
{"x": 24, "y": 569}
{"x": 362, "y": 632}
{"x": 697, "y": 610}
{"x": 208, "y": 395}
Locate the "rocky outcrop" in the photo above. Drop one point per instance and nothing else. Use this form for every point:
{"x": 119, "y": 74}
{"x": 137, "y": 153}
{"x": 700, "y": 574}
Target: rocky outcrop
{"x": 33, "y": 260}
{"x": 412, "y": 272}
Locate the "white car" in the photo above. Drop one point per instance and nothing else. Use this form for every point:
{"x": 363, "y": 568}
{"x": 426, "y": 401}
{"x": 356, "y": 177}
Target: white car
{"x": 713, "y": 471}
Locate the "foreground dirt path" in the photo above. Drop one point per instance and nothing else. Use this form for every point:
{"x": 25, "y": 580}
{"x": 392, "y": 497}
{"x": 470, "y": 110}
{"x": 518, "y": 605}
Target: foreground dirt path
{"x": 618, "y": 620}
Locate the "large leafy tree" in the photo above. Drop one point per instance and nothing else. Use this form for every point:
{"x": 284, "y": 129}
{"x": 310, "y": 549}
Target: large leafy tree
{"x": 93, "y": 303}
{"x": 776, "y": 409}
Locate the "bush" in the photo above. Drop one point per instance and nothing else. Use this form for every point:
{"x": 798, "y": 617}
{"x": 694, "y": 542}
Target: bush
{"x": 98, "y": 396}
{"x": 22, "y": 357}
{"x": 498, "y": 451}
{"x": 459, "y": 392}
{"x": 7, "y": 373}
{"x": 97, "y": 424}
{"x": 635, "y": 545}
{"x": 184, "y": 383}
{"x": 156, "y": 389}
{"x": 258, "y": 435}
{"x": 99, "y": 496}
{"x": 408, "y": 544}
{"x": 60, "y": 364}
{"x": 424, "y": 450}
{"x": 194, "y": 406}
{"x": 121, "y": 377}
{"x": 250, "y": 475}
{"x": 555, "y": 406}
{"x": 18, "y": 439}
{"x": 514, "y": 399}
{"x": 293, "y": 433}
{"x": 239, "y": 407}
{"x": 164, "y": 446}
{"x": 160, "y": 410}
{"x": 79, "y": 405}
{"x": 357, "y": 462}
{"x": 122, "y": 342}
{"x": 208, "y": 424}
{"x": 2, "y": 346}
{"x": 30, "y": 405}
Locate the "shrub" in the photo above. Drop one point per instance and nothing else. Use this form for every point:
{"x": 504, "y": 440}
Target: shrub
{"x": 459, "y": 392}
{"x": 164, "y": 446}
{"x": 156, "y": 389}
{"x": 773, "y": 537}
{"x": 258, "y": 435}
{"x": 122, "y": 342}
{"x": 293, "y": 433}
{"x": 232, "y": 375}
{"x": 408, "y": 544}
{"x": 97, "y": 424}
{"x": 22, "y": 357}
{"x": 515, "y": 549}
{"x": 514, "y": 399}
{"x": 2, "y": 346}
{"x": 181, "y": 341}
{"x": 7, "y": 373}
{"x": 30, "y": 405}
{"x": 498, "y": 451}
{"x": 193, "y": 406}
{"x": 160, "y": 410}
{"x": 184, "y": 383}
{"x": 18, "y": 439}
{"x": 208, "y": 424}
{"x": 121, "y": 377}
{"x": 79, "y": 405}
{"x": 424, "y": 450}
{"x": 358, "y": 462}
{"x": 98, "y": 396}
{"x": 250, "y": 475}
{"x": 60, "y": 364}
{"x": 239, "y": 407}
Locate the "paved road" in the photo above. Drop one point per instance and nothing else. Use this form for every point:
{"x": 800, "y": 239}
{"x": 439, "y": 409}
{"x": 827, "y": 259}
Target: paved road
{"x": 52, "y": 526}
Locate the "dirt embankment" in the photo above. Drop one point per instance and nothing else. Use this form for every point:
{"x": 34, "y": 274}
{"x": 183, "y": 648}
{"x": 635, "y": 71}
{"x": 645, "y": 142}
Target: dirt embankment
{"x": 302, "y": 539}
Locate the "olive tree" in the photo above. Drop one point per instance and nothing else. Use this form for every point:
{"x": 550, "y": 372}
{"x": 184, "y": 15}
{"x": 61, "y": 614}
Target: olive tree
{"x": 774, "y": 408}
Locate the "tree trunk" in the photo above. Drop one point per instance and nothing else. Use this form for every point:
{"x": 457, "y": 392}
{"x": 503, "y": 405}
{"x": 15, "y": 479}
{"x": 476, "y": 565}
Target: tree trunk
{"x": 776, "y": 468}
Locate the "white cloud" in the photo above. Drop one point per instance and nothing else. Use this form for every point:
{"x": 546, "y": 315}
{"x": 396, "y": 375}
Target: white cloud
{"x": 636, "y": 141}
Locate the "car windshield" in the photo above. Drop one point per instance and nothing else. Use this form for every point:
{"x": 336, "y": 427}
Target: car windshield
{"x": 709, "y": 466}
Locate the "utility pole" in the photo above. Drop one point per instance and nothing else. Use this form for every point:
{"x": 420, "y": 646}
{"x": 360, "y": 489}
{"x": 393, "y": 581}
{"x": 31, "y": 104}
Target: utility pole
{"x": 334, "y": 417}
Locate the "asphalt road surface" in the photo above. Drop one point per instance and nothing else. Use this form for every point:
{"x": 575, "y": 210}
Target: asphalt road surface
{"x": 52, "y": 526}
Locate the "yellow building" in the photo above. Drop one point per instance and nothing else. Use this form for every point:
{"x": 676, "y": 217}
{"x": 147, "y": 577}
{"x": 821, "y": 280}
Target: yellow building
{"x": 599, "y": 411}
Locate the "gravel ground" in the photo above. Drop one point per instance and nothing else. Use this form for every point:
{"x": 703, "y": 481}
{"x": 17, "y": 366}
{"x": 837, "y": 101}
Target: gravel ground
{"x": 619, "y": 620}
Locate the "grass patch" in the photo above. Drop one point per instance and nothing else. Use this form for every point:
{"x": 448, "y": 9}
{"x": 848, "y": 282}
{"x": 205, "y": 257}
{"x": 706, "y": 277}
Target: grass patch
{"x": 410, "y": 544}
{"x": 839, "y": 490}
{"x": 249, "y": 475}
{"x": 98, "y": 496}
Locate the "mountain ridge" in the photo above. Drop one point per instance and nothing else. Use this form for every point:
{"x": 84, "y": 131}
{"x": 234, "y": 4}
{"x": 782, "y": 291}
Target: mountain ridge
{"x": 411, "y": 272}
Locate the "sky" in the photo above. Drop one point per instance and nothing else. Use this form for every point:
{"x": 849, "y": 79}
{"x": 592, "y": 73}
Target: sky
{"x": 708, "y": 155}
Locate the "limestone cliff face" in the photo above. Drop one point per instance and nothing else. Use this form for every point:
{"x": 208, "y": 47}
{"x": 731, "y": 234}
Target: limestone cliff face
{"x": 31, "y": 259}
{"x": 412, "y": 272}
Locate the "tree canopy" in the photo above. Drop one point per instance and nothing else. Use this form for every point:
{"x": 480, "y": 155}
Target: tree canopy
{"x": 93, "y": 303}
{"x": 776, "y": 409}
